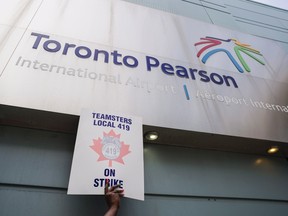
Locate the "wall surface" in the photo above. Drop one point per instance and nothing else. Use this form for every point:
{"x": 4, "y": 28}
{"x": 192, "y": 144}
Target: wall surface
{"x": 35, "y": 161}
{"x": 170, "y": 70}
{"x": 240, "y": 15}
{"x": 35, "y": 166}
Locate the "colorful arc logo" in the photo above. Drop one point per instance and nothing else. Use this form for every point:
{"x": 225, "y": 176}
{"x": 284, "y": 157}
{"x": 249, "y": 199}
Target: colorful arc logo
{"x": 213, "y": 43}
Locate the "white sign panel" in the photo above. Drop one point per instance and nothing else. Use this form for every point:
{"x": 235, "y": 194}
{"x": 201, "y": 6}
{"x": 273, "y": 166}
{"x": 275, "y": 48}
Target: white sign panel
{"x": 174, "y": 71}
{"x": 108, "y": 146}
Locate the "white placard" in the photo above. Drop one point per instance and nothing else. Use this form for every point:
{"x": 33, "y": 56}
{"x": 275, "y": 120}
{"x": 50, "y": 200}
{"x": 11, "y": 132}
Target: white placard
{"x": 108, "y": 146}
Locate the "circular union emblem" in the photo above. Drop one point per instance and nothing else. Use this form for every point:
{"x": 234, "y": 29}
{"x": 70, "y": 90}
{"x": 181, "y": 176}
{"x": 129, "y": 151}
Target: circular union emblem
{"x": 111, "y": 151}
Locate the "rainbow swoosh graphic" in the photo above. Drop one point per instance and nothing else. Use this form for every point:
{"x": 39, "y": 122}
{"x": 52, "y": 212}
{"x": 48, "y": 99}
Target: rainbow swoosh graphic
{"x": 239, "y": 49}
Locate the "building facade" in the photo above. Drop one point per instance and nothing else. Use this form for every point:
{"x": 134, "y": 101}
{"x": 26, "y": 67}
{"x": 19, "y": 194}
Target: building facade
{"x": 202, "y": 163}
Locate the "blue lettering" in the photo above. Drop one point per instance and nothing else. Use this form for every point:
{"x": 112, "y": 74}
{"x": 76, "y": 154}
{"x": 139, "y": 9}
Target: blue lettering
{"x": 192, "y": 71}
{"x": 106, "y": 55}
{"x": 133, "y": 59}
{"x": 151, "y": 64}
{"x": 100, "y": 182}
{"x": 226, "y": 80}
{"x": 66, "y": 47}
{"x": 53, "y": 42}
{"x": 131, "y": 62}
{"x": 96, "y": 182}
{"x": 120, "y": 183}
{"x": 182, "y": 72}
{"x": 87, "y": 50}
{"x": 104, "y": 123}
{"x": 115, "y": 56}
{"x": 167, "y": 69}
{"x": 38, "y": 39}
{"x": 203, "y": 76}
{"x": 109, "y": 172}
{"x": 220, "y": 79}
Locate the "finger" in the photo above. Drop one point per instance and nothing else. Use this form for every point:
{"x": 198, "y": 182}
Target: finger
{"x": 118, "y": 190}
{"x": 115, "y": 187}
{"x": 121, "y": 193}
{"x": 106, "y": 186}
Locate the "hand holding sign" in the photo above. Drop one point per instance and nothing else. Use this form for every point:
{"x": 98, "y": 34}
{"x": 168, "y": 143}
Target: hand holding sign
{"x": 112, "y": 197}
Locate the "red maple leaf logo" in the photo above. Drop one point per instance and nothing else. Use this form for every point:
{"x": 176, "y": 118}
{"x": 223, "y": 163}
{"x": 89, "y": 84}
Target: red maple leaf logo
{"x": 110, "y": 148}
